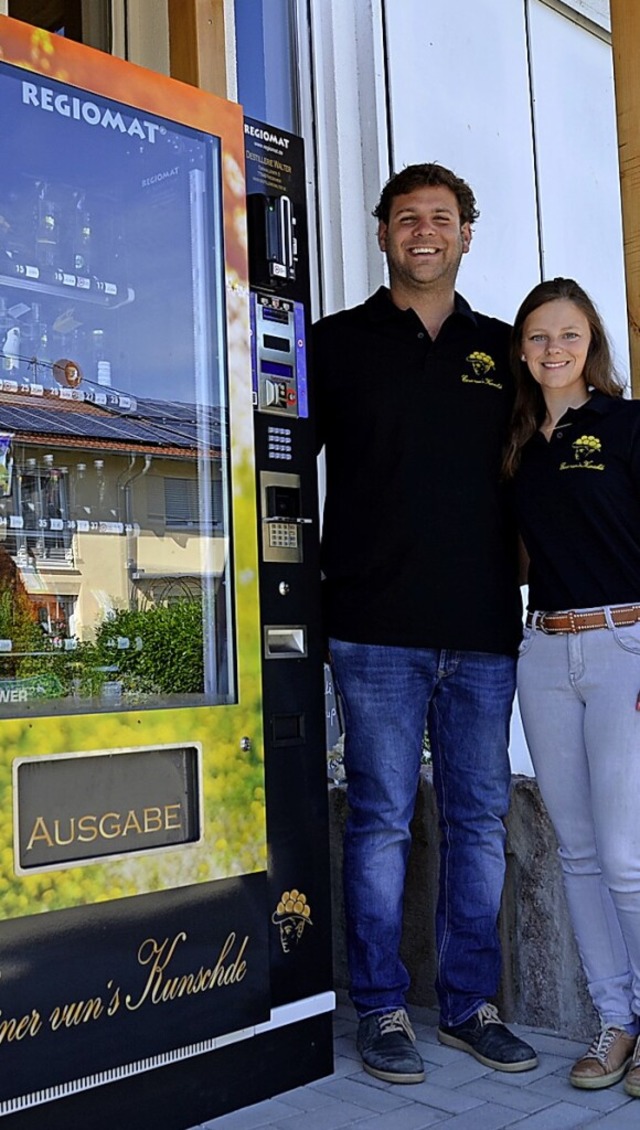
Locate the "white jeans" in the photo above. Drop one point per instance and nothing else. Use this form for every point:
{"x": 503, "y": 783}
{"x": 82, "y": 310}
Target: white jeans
{"x": 578, "y": 697}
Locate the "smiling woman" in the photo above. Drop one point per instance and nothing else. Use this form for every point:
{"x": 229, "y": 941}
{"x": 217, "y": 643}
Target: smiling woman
{"x": 575, "y": 459}
{"x": 562, "y": 299}
{"x": 555, "y": 345}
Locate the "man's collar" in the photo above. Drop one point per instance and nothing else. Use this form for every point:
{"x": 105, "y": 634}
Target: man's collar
{"x": 380, "y": 306}
{"x": 461, "y": 306}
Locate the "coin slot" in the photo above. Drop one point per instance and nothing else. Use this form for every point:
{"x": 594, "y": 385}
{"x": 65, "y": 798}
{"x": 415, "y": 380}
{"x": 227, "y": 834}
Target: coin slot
{"x": 287, "y": 729}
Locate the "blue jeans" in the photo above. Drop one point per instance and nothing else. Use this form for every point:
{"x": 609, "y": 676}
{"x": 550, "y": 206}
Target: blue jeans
{"x": 465, "y": 698}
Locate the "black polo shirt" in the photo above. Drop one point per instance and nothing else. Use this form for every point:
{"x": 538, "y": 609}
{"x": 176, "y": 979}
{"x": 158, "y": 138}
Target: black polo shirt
{"x": 577, "y": 499}
{"x": 417, "y": 545}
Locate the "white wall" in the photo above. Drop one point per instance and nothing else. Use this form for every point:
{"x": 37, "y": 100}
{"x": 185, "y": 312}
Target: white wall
{"x": 527, "y": 116}
{"x": 577, "y": 164}
{"x": 348, "y": 129}
{"x": 459, "y": 95}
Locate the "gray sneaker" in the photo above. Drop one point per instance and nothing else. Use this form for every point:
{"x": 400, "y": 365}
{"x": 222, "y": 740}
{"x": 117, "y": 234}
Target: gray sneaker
{"x": 386, "y": 1043}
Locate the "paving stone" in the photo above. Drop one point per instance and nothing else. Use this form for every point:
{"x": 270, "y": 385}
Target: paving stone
{"x": 343, "y": 1065}
{"x": 360, "y": 1094}
{"x": 307, "y": 1098}
{"x": 437, "y": 1054}
{"x": 489, "y": 1116}
{"x": 250, "y": 1117}
{"x": 490, "y": 1090}
{"x": 412, "y": 1117}
{"x": 557, "y": 1045}
{"x": 330, "y": 1117}
{"x": 362, "y": 1076}
{"x": 560, "y": 1116}
{"x": 458, "y": 1093}
{"x": 452, "y": 1101}
{"x": 547, "y": 1065}
{"x": 559, "y": 1088}
{"x": 625, "y": 1118}
{"x": 461, "y": 1070}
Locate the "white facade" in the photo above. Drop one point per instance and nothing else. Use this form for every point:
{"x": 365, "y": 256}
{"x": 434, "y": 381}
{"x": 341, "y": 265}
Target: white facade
{"x": 517, "y": 97}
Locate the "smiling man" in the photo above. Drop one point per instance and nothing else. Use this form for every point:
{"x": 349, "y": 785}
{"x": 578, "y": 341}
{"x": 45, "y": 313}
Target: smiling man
{"x": 423, "y": 615}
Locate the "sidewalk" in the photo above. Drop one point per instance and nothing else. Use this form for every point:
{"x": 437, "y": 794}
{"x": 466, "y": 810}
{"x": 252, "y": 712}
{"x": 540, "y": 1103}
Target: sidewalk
{"x": 458, "y": 1093}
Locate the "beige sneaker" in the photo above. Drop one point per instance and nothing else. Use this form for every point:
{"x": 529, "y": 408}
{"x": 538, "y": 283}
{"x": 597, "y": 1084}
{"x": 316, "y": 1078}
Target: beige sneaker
{"x": 605, "y": 1062}
{"x": 632, "y": 1078}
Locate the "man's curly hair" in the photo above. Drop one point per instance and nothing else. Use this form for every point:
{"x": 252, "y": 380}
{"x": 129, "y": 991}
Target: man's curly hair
{"x": 421, "y": 176}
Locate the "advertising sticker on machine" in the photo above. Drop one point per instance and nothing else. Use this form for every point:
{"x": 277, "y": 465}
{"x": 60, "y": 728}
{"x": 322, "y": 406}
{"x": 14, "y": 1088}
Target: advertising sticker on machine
{"x": 134, "y": 915}
{"x": 275, "y": 202}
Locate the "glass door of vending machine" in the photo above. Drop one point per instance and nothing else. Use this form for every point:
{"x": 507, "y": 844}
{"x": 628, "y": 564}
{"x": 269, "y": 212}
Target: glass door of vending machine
{"x": 135, "y": 915}
{"x": 114, "y": 501}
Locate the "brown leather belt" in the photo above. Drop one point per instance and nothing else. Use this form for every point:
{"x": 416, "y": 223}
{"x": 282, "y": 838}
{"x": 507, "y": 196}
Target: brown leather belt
{"x": 576, "y": 621}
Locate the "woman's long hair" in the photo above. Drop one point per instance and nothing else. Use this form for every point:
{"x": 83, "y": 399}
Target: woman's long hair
{"x": 529, "y": 409}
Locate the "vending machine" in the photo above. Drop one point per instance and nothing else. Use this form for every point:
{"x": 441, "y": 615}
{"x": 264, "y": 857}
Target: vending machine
{"x": 164, "y": 891}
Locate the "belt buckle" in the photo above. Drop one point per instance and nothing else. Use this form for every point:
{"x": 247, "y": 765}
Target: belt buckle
{"x": 540, "y": 624}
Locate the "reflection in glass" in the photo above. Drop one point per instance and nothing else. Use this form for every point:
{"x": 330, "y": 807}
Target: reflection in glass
{"x": 267, "y": 61}
{"x": 114, "y": 458}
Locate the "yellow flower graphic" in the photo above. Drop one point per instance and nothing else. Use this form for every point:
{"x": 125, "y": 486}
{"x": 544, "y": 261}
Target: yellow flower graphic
{"x": 292, "y": 903}
{"x": 481, "y": 363}
{"x": 585, "y": 446}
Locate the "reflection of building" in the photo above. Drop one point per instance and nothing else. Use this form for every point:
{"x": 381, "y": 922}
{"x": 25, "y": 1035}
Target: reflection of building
{"x": 106, "y": 508}
{"x": 112, "y": 377}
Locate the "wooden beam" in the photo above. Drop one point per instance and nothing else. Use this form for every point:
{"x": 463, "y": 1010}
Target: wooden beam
{"x": 197, "y": 44}
{"x": 625, "y": 32}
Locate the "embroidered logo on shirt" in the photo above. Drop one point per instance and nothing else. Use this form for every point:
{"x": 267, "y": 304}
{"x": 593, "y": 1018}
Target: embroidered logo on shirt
{"x": 483, "y": 367}
{"x": 584, "y": 450}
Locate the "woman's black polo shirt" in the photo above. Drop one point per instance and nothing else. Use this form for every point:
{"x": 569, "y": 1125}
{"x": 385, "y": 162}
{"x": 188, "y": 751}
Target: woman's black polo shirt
{"x": 577, "y": 499}
{"x": 417, "y": 545}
